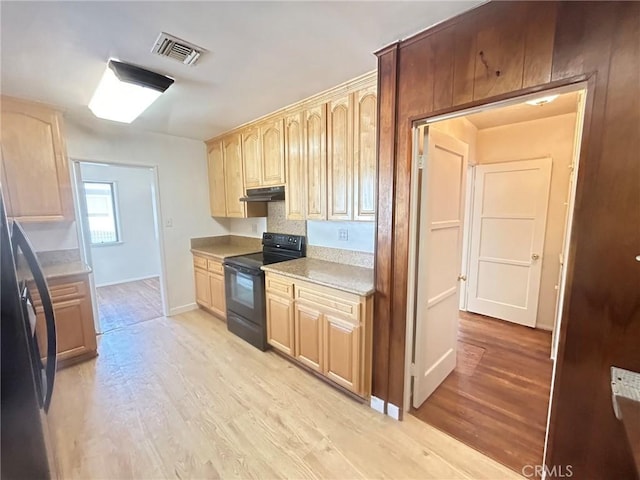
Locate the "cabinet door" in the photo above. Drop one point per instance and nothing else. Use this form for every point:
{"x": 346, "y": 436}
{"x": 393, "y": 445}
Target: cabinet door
{"x": 217, "y": 197}
{"x": 272, "y": 136}
{"x": 74, "y": 329}
{"x": 342, "y": 352}
{"x": 203, "y": 291}
{"x": 315, "y": 151}
{"x": 218, "y": 303}
{"x": 364, "y": 155}
{"x": 500, "y": 45}
{"x": 252, "y": 158}
{"x": 294, "y": 156}
{"x": 34, "y": 164}
{"x": 280, "y": 323}
{"x": 308, "y": 336}
{"x": 234, "y": 183}
{"x": 340, "y": 159}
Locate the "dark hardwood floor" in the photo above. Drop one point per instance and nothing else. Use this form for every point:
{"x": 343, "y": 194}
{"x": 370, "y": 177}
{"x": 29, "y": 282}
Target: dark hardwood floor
{"x": 496, "y": 399}
{"x": 128, "y": 303}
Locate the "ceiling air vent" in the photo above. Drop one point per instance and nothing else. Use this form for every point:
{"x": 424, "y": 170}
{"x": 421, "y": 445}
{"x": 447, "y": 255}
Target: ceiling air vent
{"x": 173, "y": 47}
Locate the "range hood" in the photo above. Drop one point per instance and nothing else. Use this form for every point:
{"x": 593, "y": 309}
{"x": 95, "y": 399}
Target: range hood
{"x": 266, "y": 194}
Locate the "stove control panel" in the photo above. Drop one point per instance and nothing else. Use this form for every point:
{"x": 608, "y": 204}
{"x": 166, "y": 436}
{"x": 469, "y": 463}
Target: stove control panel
{"x": 280, "y": 240}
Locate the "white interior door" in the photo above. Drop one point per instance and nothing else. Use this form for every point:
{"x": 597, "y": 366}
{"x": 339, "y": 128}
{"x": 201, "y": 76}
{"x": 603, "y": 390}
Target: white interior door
{"x": 507, "y": 239}
{"x": 438, "y": 263}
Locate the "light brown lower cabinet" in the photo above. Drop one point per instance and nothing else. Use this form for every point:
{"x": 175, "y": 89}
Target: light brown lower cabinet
{"x": 324, "y": 329}
{"x": 209, "y": 279}
{"x": 73, "y": 311}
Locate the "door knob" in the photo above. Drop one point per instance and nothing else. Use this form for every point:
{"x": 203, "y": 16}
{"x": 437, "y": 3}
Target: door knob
{"x": 535, "y": 256}
{"x": 462, "y": 277}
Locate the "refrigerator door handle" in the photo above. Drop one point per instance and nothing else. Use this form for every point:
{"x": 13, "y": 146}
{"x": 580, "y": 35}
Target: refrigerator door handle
{"x": 20, "y": 240}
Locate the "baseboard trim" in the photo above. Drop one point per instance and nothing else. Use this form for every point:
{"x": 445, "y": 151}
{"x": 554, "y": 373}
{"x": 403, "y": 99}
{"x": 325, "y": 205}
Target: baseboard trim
{"x": 377, "y": 404}
{"x": 182, "y": 309}
{"x": 128, "y": 280}
{"x": 393, "y": 411}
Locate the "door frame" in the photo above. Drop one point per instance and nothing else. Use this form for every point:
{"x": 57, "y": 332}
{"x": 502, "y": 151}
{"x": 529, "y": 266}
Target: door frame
{"x": 417, "y": 135}
{"x": 83, "y": 232}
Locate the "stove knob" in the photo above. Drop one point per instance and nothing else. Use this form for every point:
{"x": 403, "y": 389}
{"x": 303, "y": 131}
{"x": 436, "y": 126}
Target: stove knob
{"x": 290, "y": 239}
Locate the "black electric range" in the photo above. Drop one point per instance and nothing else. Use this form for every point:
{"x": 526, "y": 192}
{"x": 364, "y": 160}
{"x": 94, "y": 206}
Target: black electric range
{"x": 244, "y": 285}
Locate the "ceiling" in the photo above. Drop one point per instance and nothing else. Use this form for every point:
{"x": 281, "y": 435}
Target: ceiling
{"x": 523, "y": 112}
{"x": 262, "y": 55}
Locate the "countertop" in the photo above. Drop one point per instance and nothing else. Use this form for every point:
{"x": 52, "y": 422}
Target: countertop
{"x": 357, "y": 280}
{"x": 224, "y": 250}
{"x": 57, "y": 270}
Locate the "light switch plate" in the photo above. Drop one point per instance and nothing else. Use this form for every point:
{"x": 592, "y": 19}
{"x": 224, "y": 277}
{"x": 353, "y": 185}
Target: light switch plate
{"x": 343, "y": 234}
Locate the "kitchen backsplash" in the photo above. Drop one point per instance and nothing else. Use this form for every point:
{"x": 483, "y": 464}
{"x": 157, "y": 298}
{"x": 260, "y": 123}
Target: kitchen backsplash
{"x": 277, "y": 221}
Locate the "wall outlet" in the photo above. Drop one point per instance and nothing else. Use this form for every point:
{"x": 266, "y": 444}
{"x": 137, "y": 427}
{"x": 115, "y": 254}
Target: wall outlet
{"x": 343, "y": 234}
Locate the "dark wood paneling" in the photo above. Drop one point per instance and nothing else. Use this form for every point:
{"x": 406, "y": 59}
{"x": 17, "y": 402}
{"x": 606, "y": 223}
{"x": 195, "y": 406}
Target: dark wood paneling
{"x": 601, "y": 321}
{"x": 443, "y": 55}
{"x": 500, "y": 48}
{"x": 464, "y": 60}
{"x": 538, "y": 51}
{"x": 387, "y": 68}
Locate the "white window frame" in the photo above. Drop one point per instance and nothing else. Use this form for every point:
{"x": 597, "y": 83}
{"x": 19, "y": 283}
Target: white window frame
{"x": 116, "y": 213}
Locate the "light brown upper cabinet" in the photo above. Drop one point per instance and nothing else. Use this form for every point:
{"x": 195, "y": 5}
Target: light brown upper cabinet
{"x": 315, "y": 148}
{"x": 217, "y": 197}
{"x": 272, "y": 136}
{"x": 294, "y": 159}
{"x": 35, "y": 173}
{"x": 364, "y": 154}
{"x": 340, "y": 158}
{"x": 252, "y": 157}
{"x": 234, "y": 185}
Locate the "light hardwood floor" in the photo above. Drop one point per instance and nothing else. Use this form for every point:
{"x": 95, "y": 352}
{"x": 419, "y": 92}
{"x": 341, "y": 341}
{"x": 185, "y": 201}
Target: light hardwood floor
{"x": 496, "y": 399}
{"x": 128, "y": 303}
{"x": 181, "y": 397}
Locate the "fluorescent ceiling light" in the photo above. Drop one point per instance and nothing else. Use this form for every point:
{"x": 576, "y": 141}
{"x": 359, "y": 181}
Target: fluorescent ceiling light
{"x": 125, "y": 91}
{"x": 537, "y": 102}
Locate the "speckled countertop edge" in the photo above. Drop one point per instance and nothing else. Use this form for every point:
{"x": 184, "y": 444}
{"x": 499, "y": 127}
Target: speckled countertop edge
{"x": 328, "y": 274}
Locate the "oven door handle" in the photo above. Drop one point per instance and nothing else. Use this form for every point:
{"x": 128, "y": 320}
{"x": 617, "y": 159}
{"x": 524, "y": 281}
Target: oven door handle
{"x": 245, "y": 271}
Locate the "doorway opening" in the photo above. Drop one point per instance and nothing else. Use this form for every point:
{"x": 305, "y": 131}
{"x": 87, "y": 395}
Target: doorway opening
{"x": 121, "y": 241}
{"x": 493, "y": 191}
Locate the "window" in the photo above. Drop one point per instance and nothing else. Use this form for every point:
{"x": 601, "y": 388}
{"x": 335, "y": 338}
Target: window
{"x": 101, "y": 210}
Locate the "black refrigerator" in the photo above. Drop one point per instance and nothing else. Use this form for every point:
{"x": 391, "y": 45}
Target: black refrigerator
{"x": 27, "y": 374}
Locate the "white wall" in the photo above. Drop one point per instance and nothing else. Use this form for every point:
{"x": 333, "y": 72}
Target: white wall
{"x": 137, "y": 254}
{"x": 360, "y": 235}
{"x": 552, "y": 137}
{"x": 184, "y": 197}
{"x": 45, "y": 237}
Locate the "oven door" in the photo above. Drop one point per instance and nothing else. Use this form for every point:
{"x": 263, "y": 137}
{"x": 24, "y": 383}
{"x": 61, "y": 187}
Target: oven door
{"x": 245, "y": 292}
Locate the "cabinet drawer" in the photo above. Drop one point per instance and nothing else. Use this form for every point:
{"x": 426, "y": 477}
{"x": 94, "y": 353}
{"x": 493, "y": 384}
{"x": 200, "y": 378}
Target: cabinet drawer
{"x": 215, "y": 267}
{"x": 199, "y": 262}
{"x": 279, "y": 286}
{"x": 61, "y": 292}
{"x": 348, "y": 308}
